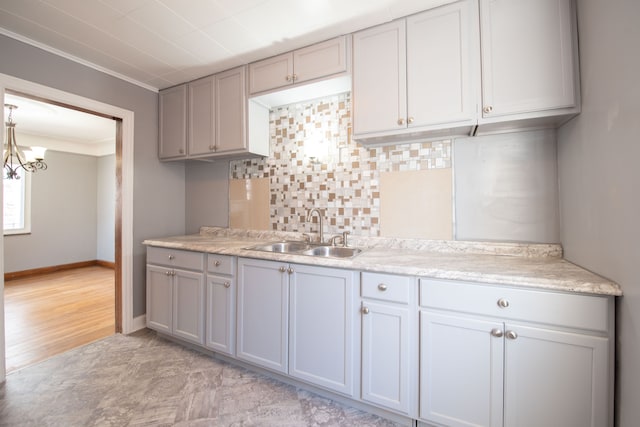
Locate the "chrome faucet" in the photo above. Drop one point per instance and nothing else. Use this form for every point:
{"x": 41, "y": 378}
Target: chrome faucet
{"x": 319, "y": 213}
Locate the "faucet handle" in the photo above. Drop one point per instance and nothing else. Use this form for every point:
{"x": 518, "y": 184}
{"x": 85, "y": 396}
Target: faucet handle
{"x": 344, "y": 238}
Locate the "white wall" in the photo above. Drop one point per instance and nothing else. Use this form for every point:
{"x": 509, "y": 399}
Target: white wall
{"x": 63, "y": 215}
{"x": 106, "y": 210}
{"x": 159, "y": 190}
{"x": 599, "y": 175}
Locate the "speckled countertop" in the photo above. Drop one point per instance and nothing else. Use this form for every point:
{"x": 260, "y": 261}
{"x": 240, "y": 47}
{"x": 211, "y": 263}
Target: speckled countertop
{"x": 528, "y": 265}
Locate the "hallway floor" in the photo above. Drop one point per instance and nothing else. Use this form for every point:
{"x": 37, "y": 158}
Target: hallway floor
{"x": 143, "y": 380}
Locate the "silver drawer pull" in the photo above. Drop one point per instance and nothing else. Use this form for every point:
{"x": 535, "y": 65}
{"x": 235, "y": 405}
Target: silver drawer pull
{"x": 217, "y": 263}
{"x": 227, "y": 284}
{"x": 282, "y": 269}
{"x": 503, "y": 303}
{"x": 497, "y": 333}
{"x": 365, "y": 310}
{"x": 382, "y": 287}
{"x": 171, "y": 257}
{"x": 512, "y": 335}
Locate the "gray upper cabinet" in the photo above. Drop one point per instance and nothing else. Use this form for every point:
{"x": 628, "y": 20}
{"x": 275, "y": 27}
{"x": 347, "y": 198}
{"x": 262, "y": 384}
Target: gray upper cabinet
{"x": 201, "y": 134}
{"x": 215, "y": 109}
{"x": 173, "y": 123}
{"x": 416, "y": 77}
{"x": 529, "y": 60}
{"x": 310, "y": 63}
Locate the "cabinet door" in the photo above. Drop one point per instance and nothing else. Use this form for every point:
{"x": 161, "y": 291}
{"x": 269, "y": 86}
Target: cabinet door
{"x": 461, "y": 365}
{"x": 201, "y": 135}
{"x": 221, "y": 304}
{"x": 441, "y": 56}
{"x": 271, "y": 73}
{"x": 231, "y": 106}
{"x": 263, "y": 313}
{"x": 173, "y": 123}
{"x": 385, "y": 355}
{"x": 320, "y": 60}
{"x": 322, "y": 338}
{"x": 380, "y": 78}
{"x": 527, "y": 56}
{"x": 188, "y": 306}
{"x": 159, "y": 299}
{"x": 555, "y": 379}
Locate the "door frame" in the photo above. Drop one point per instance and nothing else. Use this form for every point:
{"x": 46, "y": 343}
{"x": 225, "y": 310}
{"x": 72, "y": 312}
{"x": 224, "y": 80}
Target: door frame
{"x": 124, "y": 191}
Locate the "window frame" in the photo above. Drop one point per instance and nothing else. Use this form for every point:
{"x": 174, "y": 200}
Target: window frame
{"x": 26, "y": 229}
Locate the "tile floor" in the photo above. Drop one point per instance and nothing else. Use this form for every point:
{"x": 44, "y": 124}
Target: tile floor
{"x": 143, "y": 380}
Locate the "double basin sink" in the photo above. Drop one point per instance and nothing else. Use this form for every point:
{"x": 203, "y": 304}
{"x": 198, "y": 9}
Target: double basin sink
{"x": 310, "y": 249}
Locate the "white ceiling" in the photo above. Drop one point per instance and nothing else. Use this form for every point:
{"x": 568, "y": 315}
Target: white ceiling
{"x": 161, "y": 43}
{"x": 59, "y": 128}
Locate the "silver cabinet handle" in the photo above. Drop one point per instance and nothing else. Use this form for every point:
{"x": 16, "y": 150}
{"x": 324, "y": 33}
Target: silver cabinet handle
{"x": 401, "y": 121}
{"x": 294, "y": 77}
{"x": 288, "y": 78}
{"x": 216, "y": 263}
{"x": 512, "y": 335}
{"x": 171, "y": 257}
{"x": 497, "y": 333}
{"x": 227, "y": 285}
{"x": 488, "y": 109}
{"x": 410, "y": 120}
{"x": 181, "y": 151}
{"x": 503, "y": 303}
{"x": 365, "y": 310}
{"x": 167, "y": 273}
{"x": 382, "y": 287}
{"x": 282, "y": 269}
{"x": 290, "y": 270}
{"x": 212, "y": 147}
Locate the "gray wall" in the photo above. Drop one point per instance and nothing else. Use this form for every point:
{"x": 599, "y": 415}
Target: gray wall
{"x": 599, "y": 176}
{"x": 63, "y": 215}
{"x": 106, "y": 210}
{"x": 207, "y": 194}
{"x": 159, "y": 190}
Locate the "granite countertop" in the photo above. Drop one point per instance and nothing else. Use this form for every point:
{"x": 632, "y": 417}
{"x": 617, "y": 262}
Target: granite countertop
{"x": 528, "y": 265}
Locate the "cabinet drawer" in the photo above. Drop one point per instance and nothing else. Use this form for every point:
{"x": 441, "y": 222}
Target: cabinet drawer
{"x": 386, "y": 287}
{"x": 221, "y": 264}
{"x": 175, "y": 258}
{"x": 556, "y": 308}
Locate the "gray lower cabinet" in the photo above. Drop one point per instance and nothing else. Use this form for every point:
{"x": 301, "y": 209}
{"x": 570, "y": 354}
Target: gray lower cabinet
{"x": 389, "y": 342}
{"x": 498, "y": 356}
{"x": 263, "y": 313}
{"x": 299, "y": 320}
{"x": 175, "y": 293}
{"x": 221, "y": 303}
{"x": 322, "y": 328}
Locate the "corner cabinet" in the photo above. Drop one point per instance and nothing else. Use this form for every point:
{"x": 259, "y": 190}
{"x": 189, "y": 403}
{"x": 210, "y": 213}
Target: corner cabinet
{"x": 529, "y": 61}
{"x": 172, "y": 110}
{"x": 498, "y": 356}
{"x": 209, "y": 118}
{"x": 175, "y": 293}
{"x": 299, "y": 320}
{"x": 416, "y": 77}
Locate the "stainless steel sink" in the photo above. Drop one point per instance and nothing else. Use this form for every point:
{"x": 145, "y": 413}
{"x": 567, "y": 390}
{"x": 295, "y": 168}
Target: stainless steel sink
{"x": 332, "y": 252}
{"x": 282, "y": 247}
{"x": 309, "y": 249}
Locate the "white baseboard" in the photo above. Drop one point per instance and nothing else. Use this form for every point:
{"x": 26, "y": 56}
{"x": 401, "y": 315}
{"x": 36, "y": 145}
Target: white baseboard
{"x": 139, "y": 322}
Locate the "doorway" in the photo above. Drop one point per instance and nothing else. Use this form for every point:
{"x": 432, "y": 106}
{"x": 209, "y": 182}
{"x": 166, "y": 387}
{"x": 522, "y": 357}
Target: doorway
{"x": 124, "y": 197}
{"x": 59, "y": 271}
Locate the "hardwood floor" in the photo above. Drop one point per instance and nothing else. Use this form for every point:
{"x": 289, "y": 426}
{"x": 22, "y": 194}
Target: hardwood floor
{"x": 51, "y": 313}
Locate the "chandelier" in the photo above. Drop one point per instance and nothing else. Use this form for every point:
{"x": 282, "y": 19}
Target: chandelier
{"x": 31, "y": 160}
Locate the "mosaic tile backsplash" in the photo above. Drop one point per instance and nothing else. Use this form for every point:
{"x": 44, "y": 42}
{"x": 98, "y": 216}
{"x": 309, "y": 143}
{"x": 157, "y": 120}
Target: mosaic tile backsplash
{"x": 314, "y": 163}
